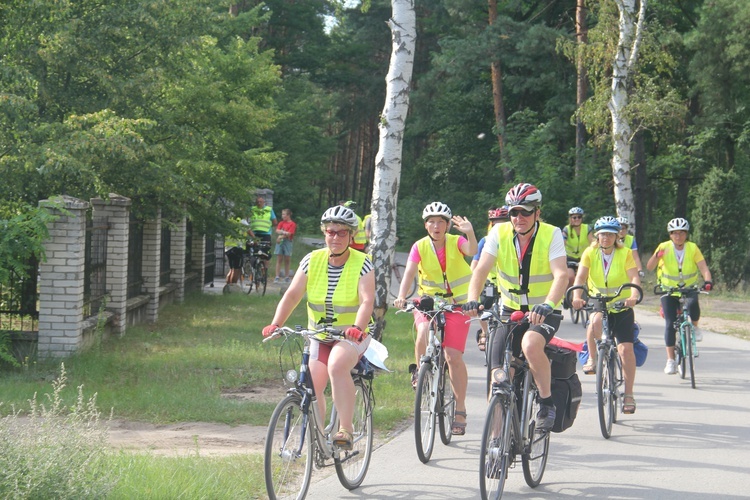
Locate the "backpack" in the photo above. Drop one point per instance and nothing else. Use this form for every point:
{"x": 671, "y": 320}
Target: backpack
{"x": 566, "y": 394}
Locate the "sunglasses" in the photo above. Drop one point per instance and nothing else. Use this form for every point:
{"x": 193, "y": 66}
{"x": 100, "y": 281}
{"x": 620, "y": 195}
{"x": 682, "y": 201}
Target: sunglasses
{"x": 341, "y": 233}
{"x": 516, "y": 212}
{"x": 576, "y": 216}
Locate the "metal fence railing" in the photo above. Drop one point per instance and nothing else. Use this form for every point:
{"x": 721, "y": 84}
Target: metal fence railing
{"x": 135, "y": 258}
{"x": 165, "y": 257}
{"x": 19, "y": 300}
{"x": 95, "y": 267}
{"x": 209, "y": 261}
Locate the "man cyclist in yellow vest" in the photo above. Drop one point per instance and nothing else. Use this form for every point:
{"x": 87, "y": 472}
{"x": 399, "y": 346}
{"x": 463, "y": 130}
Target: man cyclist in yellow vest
{"x": 605, "y": 266}
{"x": 340, "y": 286}
{"x": 440, "y": 259}
{"x": 577, "y": 237}
{"x": 495, "y": 216}
{"x": 679, "y": 262}
{"x": 628, "y": 241}
{"x": 532, "y": 274}
{"x": 359, "y": 242}
{"x": 262, "y": 221}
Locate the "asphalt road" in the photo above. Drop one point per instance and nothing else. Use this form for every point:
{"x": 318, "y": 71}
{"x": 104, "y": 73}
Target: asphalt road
{"x": 682, "y": 443}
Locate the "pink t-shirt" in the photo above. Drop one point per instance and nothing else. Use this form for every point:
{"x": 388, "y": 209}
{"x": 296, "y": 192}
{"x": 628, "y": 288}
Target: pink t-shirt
{"x": 289, "y": 226}
{"x": 414, "y": 255}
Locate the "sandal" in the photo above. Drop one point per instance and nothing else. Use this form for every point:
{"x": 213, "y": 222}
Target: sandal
{"x": 459, "y": 428}
{"x": 482, "y": 341}
{"x": 589, "y": 368}
{"x": 628, "y": 404}
{"x": 343, "y": 439}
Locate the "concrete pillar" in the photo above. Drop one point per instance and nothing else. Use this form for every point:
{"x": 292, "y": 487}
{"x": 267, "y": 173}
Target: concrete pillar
{"x": 116, "y": 211}
{"x": 178, "y": 251}
{"x": 199, "y": 257}
{"x": 152, "y": 265}
{"x": 61, "y": 278}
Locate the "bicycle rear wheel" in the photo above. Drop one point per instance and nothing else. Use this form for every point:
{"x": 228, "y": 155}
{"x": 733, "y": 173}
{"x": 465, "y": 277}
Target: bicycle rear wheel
{"x": 446, "y": 407}
{"x": 534, "y": 459}
{"x": 424, "y": 414}
{"x": 690, "y": 355}
{"x": 679, "y": 352}
{"x": 397, "y": 274}
{"x": 247, "y": 274}
{"x": 260, "y": 277}
{"x": 495, "y": 449}
{"x": 604, "y": 391}
{"x": 351, "y": 466}
{"x": 288, "y": 458}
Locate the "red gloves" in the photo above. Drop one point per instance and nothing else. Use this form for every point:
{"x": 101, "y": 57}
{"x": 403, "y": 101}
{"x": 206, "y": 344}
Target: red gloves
{"x": 268, "y": 330}
{"x": 708, "y": 285}
{"x": 355, "y": 333}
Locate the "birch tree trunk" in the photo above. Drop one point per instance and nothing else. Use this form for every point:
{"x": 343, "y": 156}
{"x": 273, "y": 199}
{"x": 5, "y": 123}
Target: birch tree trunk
{"x": 388, "y": 160}
{"x": 624, "y": 64}
{"x": 581, "y": 82}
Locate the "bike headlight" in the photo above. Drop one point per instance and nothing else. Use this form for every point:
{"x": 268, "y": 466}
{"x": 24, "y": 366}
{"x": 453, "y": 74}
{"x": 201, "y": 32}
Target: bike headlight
{"x": 499, "y": 377}
{"x": 291, "y": 376}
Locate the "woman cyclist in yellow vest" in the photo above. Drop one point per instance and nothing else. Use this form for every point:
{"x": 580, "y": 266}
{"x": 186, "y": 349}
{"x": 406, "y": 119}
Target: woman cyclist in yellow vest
{"x": 605, "y": 266}
{"x": 530, "y": 258}
{"x": 495, "y": 216}
{"x": 679, "y": 262}
{"x": 440, "y": 259}
{"x": 628, "y": 241}
{"x": 340, "y": 286}
{"x": 577, "y": 237}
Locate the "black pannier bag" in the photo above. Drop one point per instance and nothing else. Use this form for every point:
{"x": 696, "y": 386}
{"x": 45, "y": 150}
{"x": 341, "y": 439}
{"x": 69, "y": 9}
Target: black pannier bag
{"x": 566, "y": 394}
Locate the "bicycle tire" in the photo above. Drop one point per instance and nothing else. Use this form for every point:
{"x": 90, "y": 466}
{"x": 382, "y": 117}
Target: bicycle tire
{"x": 446, "y": 406}
{"x": 351, "y": 466}
{"x": 617, "y": 383}
{"x": 397, "y": 273}
{"x": 424, "y": 414}
{"x": 689, "y": 355}
{"x": 495, "y": 449}
{"x": 679, "y": 352}
{"x": 604, "y": 397}
{"x": 288, "y": 458}
{"x": 584, "y": 318}
{"x": 575, "y": 315}
{"x": 534, "y": 459}
{"x": 260, "y": 278}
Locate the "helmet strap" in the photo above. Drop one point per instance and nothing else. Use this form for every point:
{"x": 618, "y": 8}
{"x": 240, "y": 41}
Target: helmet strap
{"x": 338, "y": 254}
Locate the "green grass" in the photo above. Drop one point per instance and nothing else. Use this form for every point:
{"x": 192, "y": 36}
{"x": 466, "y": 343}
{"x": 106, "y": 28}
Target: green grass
{"x": 176, "y": 371}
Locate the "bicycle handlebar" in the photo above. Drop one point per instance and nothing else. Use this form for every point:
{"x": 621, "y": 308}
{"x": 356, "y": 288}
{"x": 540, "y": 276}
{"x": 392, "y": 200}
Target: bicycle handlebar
{"x": 682, "y": 290}
{"x": 438, "y": 304}
{"x": 604, "y": 299}
{"x": 328, "y": 332}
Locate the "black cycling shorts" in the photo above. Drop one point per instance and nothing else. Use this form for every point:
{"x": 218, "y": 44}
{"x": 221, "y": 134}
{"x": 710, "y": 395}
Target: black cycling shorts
{"x": 234, "y": 256}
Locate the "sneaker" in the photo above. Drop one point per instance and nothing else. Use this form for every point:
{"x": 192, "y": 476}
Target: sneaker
{"x": 287, "y": 279}
{"x": 276, "y": 279}
{"x": 545, "y": 418}
{"x": 671, "y": 367}
{"x": 698, "y": 333}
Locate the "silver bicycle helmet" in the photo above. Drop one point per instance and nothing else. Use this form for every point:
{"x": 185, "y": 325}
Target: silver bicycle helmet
{"x": 678, "y": 224}
{"x": 437, "y": 208}
{"x": 340, "y": 215}
{"x": 607, "y": 224}
{"x": 575, "y": 211}
{"x": 623, "y": 221}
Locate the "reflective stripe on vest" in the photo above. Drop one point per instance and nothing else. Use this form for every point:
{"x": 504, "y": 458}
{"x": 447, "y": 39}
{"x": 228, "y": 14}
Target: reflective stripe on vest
{"x": 540, "y": 274}
{"x": 359, "y": 237}
{"x": 575, "y": 244}
{"x": 457, "y": 271}
{"x": 670, "y": 274}
{"x": 617, "y": 275}
{"x": 260, "y": 219}
{"x": 345, "y": 296}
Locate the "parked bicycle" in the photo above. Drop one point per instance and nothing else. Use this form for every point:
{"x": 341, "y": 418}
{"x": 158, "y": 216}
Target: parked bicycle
{"x": 397, "y": 274}
{"x": 298, "y": 436}
{"x": 685, "y": 348}
{"x": 510, "y": 425}
{"x": 434, "y": 401}
{"x": 255, "y": 265}
{"x": 609, "y": 377}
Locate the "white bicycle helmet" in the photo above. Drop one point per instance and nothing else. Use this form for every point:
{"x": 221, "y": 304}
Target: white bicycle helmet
{"x": 340, "y": 215}
{"x": 575, "y": 211}
{"x": 606, "y": 224}
{"x": 523, "y": 195}
{"x": 623, "y": 221}
{"x": 437, "y": 208}
{"x": 678, "y": 224}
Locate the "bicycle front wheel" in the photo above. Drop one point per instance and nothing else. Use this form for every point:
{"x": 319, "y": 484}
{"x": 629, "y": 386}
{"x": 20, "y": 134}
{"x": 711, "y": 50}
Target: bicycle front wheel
{"x": 351, "y": 466}
{"x": 575, "y": 315}
{"x": 288, "y": 458}
{"x": 690, "y": 354}
{"x": 260, "y": 277}
{"x": 446, "y": 407}
{"x": 424, "y": 414}
{"x": 495, "y": 449}
{"x": 604, "y": 391}
{"x": 534, "y": 458}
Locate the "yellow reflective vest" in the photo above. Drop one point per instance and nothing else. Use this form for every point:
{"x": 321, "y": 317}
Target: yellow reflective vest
{"x": 260, "y": 220}
{"x": 540, "y": 273}
{"x": 359, "y": 237}
{"x": 670, "y": 273}
{"x": 576, "y": 243}
{"x": 607, "y": 284}
{"x": 346, "y": 295}
{"x": 457, "y": 271}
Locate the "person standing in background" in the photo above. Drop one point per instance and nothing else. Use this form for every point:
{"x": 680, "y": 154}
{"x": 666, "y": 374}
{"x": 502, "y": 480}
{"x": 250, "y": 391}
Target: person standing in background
{"x": 284, "y": 237}
{"x": 262, "y": 221}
